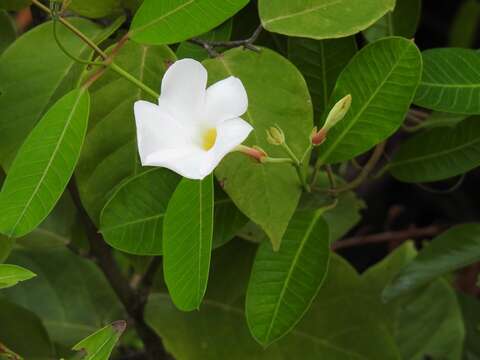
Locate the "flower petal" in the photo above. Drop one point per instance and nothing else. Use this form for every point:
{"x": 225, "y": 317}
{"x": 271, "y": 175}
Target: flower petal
{"x": 156, "y": 129}
{"x": 230, "y": 134}
{"x": 226, "y": 99}
{"x": 190, "y": 162}
{"x": 183, "y": 90}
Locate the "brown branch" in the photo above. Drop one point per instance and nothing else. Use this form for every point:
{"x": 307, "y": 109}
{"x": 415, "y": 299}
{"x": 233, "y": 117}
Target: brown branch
{"x": 133, "y": 301}
{"x": 367, "y": 169}
{"x": 210, "y": 45}
{"x": 402, "y": 235}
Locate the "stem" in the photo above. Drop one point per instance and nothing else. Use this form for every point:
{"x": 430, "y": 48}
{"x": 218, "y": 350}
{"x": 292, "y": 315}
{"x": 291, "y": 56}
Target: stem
{"x": 277, "y": 160}
{"x": 367, "y": 169}
{"x": 133, "y": 80}
{"x": 298, "y": 167}
{"x": 134, "y": 302}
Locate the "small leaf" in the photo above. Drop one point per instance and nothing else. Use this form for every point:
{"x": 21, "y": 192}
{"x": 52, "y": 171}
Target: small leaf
{"x": 283, "y": 284}
{"x": 160, "y": 22}
{"x": 321, "y": 19}
{"x": 438, "y": 154}
{"x": 382, "y": 79}
{"x": 187, "y": 242}
{"x": 95, "y": 8}
{"x": 11, "y": 275}
{"x": 450, "y": 81}
{"x": 100, "y": 344}
{"x": 452, "y": 250}
{"x": 44, "y": 165}
{"x": 321, "y": 62}
{"x": 267, "y": 194}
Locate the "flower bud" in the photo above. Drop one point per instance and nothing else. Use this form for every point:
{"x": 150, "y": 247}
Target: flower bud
{"x": 255, "y": 152}
{"x": 275, "y": 136}
{"x": 338, "y": 112}
{"x": 318, "y": 137}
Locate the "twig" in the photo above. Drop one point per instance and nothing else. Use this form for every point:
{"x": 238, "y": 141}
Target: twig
{"x": 411, "y": 233}
{"x": 210, "y": 45}
{"x": 132, "y": 301}
{"x": 367, "y": 169}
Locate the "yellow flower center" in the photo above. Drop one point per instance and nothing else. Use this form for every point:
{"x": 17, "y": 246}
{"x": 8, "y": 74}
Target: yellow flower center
{"x": 209, "y": 138}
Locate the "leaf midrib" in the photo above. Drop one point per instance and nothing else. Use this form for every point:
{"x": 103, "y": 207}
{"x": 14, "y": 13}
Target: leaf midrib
{"x": 302, "y": 12}
{"x": 290, "y": 272}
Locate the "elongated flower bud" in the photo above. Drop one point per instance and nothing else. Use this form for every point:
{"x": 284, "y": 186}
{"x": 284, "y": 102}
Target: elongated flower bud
{"x": 338, "y": 112}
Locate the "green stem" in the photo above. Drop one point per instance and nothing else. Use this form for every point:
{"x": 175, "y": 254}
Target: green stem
{"x": 277, "y": 160}
{"x": 298, "y": 167}
{"x": 133, "y": 80}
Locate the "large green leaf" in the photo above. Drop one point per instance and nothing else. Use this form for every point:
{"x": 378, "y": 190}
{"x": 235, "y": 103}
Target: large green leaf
{"x": 6, "y": 246}
{"x": 452, "y": 250}
{"x": 267, "y": 194}
{"x": 337, "y": 326}
{"x": 283, "y": 284}
{"x": 168, "y": 22}
{"x": 132, "y": 219}
{"x": 76, "y": 299}
{"x": 193, "y": 51}
{"x": 431, "y": 313}
{"x": 110, "y": 152}
{"x": 44, "y": 165}
{"x": 438, "y": 154}
{"x": 321, "y": 19}
{"x": 403, "y": 21}
{"x": 187, "y": 242}
{"x": 7, "y": 30}
{"x": 450, "y": 81}
{"x": 100, "y": 344}
{"x": 11, "y": 275}
{"x": 23, "y": 332}
{"x": 321, "y": 62}
{"x": 382, "y": 79}
{"x": 35, "y": 73}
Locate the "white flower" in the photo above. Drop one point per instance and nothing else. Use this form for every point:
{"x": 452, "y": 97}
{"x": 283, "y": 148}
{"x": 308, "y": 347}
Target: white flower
{"x": 192, "y": 128}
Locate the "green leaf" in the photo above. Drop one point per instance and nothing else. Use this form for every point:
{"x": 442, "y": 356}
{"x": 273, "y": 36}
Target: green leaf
{"x": 438, "y": 154}
{"x": 110, "y": 153}
{"x": 11, "y": 275}
{"x": 44, "y": 165}
{"x": 283, "y": 284}
{"x": 382, "y": 79}
{"x": 187, "y": 242}
{"x": 450, "y": 81}
{"x": 321, "y": 19}
{"x": 267, "y": 194}
{"x": 338, "y": 325}
{"x": 193, "y": 51}
{"x": 95, "y": 8}
{"x": 403, "y": 21}
{"x": 75, "y": 297}
{"x": 463, "y": 31}
{"x": 321, "y": 62}
{"x": 471, "y": 315}
{"x": 6, "y": 246}
{"x": 452, "y": 250}
{"x": 35, "y": 73}
{"x": 170, "y": 22}
{"x": 14, "y": 4}
{"x": 431, "y": 313}
{"x": 23, "y": 332}
{"x": 7, "y": 30}
{"x": 132, "y": 219}
{"x": 100, "y": 344}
